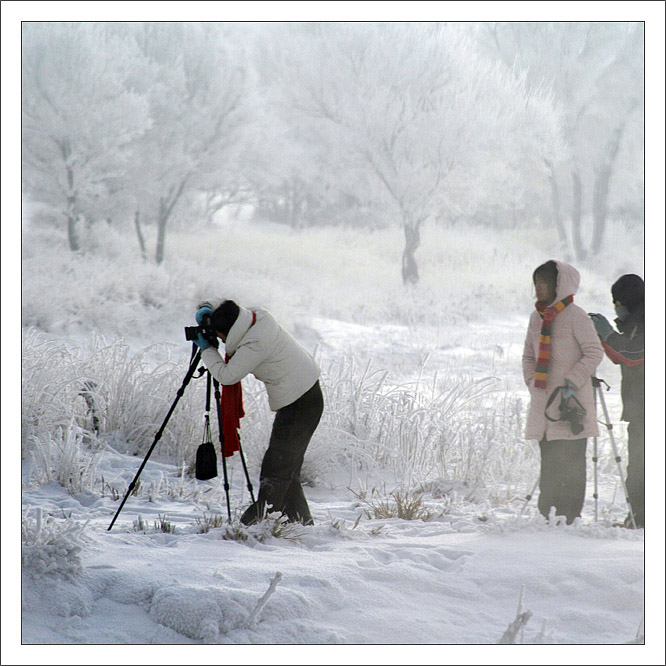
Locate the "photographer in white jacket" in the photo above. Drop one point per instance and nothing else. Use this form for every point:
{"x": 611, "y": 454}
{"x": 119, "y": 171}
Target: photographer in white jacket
{"x": 256, "y": 344}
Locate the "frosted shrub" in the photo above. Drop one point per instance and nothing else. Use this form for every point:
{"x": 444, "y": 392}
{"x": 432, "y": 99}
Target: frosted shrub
{"x": 457, "y": 428}
{"x": 75, "y": 399}
{"x": 401, "y": 503}
{"x": 50, "y": 546}
{"x": 134, "y": 394}
{"x": 120, "y": 395}
{"x": 209, "y": 522}
{"x": 205, "y": 614}
{"x": 92, "y": 292}
{"x": 64, "y": 458}
{"x": 47, "y": 393}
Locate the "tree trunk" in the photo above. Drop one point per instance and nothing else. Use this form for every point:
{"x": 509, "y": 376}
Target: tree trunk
{"x": 161, "y": 233}
{"x": 556, "y": 209}
{"x": 71, "y": 212}
{"x": 577, "y": 215}
{"x": 163, "y": 215}
{"x": 602, "y": 178}
{"x": 410, "y": 270}
{"x": 600, "y": 206}
{"x": 142, "y": 243}
{"x": 72, "y": 215}
{"x": 72, "y": 233}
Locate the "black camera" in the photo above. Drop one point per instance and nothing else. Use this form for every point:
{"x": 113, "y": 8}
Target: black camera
{"x": 573, "y": 412}
{"x": 206, "y": 330}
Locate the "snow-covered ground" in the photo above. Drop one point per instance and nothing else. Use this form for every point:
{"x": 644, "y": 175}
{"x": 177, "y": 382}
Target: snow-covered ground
{"x": 460, "y": 577}
{"x": 425, "y": 402}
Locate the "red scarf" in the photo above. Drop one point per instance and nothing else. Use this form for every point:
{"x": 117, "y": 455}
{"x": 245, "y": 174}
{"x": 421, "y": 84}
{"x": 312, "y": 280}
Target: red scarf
{"x": 232, "y": 412}
{"x": 547, "y": 314}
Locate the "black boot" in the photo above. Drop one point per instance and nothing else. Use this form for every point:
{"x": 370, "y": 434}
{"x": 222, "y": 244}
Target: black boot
{"x": 296, "y": 506}
{"x": 253, "y": 514}
{"x": 271, "y": 498}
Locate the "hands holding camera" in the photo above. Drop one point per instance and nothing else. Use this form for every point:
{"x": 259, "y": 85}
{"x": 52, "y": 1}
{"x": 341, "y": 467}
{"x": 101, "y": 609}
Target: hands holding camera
{"x": 202, "y": 314}
{"x": 202, "y": 335}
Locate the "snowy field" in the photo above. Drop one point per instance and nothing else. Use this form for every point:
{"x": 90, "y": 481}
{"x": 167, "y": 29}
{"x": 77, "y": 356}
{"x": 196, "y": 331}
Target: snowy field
{"x": 417, "y": 476}
{"x": 386, "y": 191}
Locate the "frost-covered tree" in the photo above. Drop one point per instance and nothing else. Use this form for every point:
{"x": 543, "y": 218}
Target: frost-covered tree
{"x": 80, "y": 118}
{"x": 199, "y": 106}
{"x": 595, "y": 72}
{"x": 409, "y": 117}
{"x": 281, "y": 161}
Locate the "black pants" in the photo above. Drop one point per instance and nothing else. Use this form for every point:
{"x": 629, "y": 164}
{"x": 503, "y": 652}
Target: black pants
{"x": 636, "y": 470}
{"x": 279, "y": 480}
{"x": 562, "y": 482}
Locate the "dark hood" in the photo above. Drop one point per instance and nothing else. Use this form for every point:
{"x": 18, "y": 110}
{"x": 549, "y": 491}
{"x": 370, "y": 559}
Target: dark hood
{"x": 630, "y": 291}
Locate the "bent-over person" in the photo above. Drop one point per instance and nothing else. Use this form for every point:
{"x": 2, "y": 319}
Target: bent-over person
{"x": 256, "y": 344}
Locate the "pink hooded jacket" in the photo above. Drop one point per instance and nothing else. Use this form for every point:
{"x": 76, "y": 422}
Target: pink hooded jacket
{"x": 575, "y": 354}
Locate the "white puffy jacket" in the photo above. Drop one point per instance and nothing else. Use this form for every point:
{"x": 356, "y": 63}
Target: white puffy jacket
{"x": 266, "y": 351}
{"x": 575, "y": 354}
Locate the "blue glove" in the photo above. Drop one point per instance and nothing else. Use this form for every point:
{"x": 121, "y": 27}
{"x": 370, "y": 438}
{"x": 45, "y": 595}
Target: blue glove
{"x": 202, "y": 312}
{"x": 601, "y": 325}
{"x": 201, "y": 342}
{"x": 568, "y": 390}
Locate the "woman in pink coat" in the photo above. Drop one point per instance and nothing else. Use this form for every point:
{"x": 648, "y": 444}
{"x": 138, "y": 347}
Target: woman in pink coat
{"x": 562, "y": 349}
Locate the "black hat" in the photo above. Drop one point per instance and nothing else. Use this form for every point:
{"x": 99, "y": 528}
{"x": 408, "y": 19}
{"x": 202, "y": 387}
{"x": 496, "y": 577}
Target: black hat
{"x": 225, "y": 317}
{"x": 630, "y": 291}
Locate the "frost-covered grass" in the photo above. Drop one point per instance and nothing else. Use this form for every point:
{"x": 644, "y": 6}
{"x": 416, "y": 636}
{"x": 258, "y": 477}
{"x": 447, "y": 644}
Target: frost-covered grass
{"x": 107, "y": 390}
{"x": 62, "y": 457}
{"x": 436, "y": 430}
{"x": 50, "y": 546}
{"x": 450, "y": 428}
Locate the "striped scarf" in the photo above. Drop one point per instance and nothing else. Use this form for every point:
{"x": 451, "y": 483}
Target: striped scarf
{"x": 547, "y": 314}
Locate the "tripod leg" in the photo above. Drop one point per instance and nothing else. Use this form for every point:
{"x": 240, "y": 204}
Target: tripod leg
{"x": 247, "y": 474}
{"x": 595, "y": 458}
{"x": 218, "y": 404}
{"x": 609, "y": 427}
{"x": 193, "y": 366}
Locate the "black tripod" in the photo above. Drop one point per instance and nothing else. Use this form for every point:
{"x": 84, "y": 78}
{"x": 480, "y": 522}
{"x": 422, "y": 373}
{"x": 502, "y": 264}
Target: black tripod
{"x": 194, "y": 361}
{"x": 596, "y": 383}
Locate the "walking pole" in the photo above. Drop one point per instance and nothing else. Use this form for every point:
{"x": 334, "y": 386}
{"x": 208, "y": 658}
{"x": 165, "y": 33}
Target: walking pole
{"x": 193, "y": 366}
{"x": 529, "y": 495}
{"x": 596, "y": 382}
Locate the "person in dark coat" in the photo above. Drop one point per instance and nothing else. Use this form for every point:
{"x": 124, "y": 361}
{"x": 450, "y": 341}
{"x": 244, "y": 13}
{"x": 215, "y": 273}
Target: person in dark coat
{"x": 626, "y": 347}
